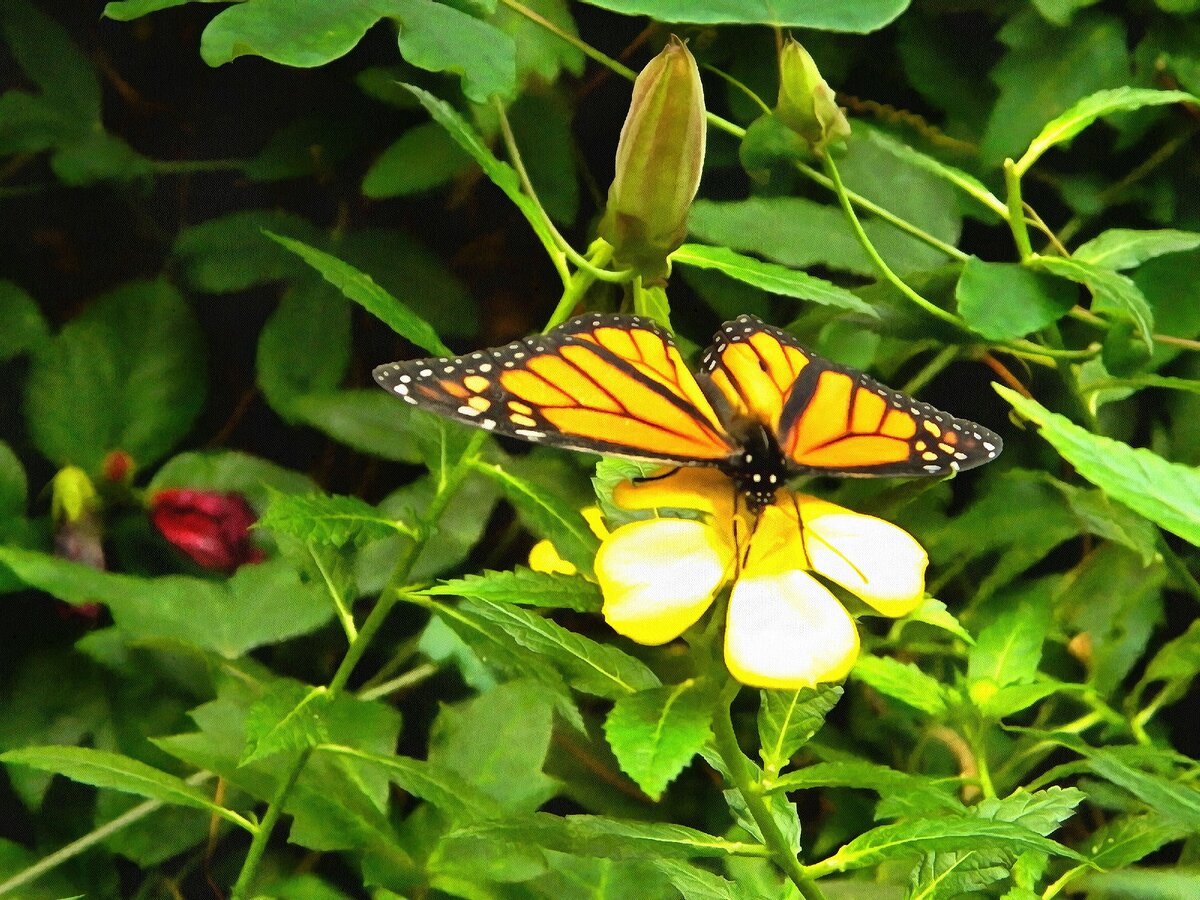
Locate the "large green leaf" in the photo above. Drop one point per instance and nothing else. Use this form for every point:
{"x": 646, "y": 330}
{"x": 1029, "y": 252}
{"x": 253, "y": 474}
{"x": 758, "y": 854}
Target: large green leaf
{"x": 232, "y": 252}
{"x": 423, "y": 157}
{"x": 259, "y": 604}
{"x": 334, "y": 519}
{"x": 770, "y": 277}
{"x": 23, "y": 322}
{"x": 1006, "y": 300}
{"x": 362, "y": 289}
{"x": 903, "y": 682}
{"x": 1126, "y": 248}
{"x": 120, "y": 773}
{"x": 1111, "y": 292}
{"x": 308, "y": 33}
{"x": 525, "y": 587}
{"x": 787, "y": 720}
{"x": 304, "y": 347}
{"x": 1165, "y": 493}
{"x": 127, "y": 374}
{"x": 861, "y": 16}
{"x": 656, "y": 732}
{"x": 1008, "y": 650}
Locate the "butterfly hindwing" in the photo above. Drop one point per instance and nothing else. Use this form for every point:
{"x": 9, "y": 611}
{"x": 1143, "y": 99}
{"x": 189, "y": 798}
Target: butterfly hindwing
{"x": 832, "y": 419}
{"x": 606, "y": 384}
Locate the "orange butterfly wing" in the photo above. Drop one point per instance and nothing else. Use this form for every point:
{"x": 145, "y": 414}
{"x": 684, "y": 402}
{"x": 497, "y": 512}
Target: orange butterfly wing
{"x": 605, "y": 384}
{"x": 832, "y": 419}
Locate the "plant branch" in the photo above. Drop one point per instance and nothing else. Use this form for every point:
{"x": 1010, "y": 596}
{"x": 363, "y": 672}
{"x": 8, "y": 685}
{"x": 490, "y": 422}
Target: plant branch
{"x": 1016, "y": 210}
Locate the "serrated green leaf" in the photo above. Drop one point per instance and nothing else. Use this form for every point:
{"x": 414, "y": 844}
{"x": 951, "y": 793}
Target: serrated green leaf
{"x": 656, "y": 732}
{"x": 770, "y": 277}
{"x": 591, "y": 667}
{"x": 901, "y": 681}
{"x": 23, "y": 323}
{"x": 1127, "y": 248}
{"x": 787, "y": 720}
{"x": 1009, "y": 649}
{"x": 120, "y": 773}
{"x": 1127, "y": 839}
{"x": 548, "y": 517}
{"x": 600, "y": 836}
{"x": 1007, "y": 300}
{"x": 329, "y": 519}
{"x": 695, "y": 883}
{"x": 1039, "y": 811}
{"x": 437, "y": 785}
{"x": 862, "y": 16}
{"x": 1135, "y": 476}
{"x": 362, "y": 289}
{"x": 287, "y": 717}
{"x": 955, "y": 833}
{"x": 934, "y": 612}
{"x": 1111, "y": 291}
{"x": 127, "y": 374}
{"x": 525, "y": 587}
{"x": 885, "y": 781}
{"x": 1086, "y": 111}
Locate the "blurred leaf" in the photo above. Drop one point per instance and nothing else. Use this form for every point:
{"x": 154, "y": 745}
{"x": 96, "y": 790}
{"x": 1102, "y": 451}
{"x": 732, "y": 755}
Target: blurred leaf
{"x": 127, "y": 10}
{"x": 886, "y": 782}
{"x": 304, "y": 347}
{"x": 1166, "y": 796}
{"x": 1111, "y": 292}
{"x": 1173, "y": 883}
{"x": 120, "y": 773}
{"x": 128, "y": 374}
{"x": 14, "y": 487}
{"x": 1129, "y": 838}
{"x": 498, "y": 742}
{"x": 1177, "y": 663}
{"x": 1007, "y": 300}
{"x": 601, "y": 670}
{"x": 1083, "y": 113}
{"x": 362, "y": 289}
{"x": 787, "y": 720}
{"x": 542, "y": 127}
{"x": 694, "y": 883}
{"x": 656, "y": 732}
{"x": 334, "y": 519}
{"x": 1134, "y": 476}
{"x": 232, "y": 252}
{"x": 367, "y": 420}
{"x": 901, "y": 681}
{"x": 311, "y": 146}
{"x": 24, "y": 326}
{"x": 1088, "y": 57}
{"x": 259, "y": 604}
{"x": 770, "y": 277}
{"x": 423, "y": 157}
{"x": 933, "y": 612}
{"x": 862, "y": 16}
{"x": 525, "y": 587}
{"x": 541, "y": 53}
{"x": 1127, "y": 248}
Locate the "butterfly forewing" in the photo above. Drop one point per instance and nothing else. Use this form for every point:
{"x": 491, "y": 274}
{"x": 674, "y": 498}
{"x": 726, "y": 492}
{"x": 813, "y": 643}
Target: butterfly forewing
{"x": 832, "y": 419}
{"x": 605, "y": 384}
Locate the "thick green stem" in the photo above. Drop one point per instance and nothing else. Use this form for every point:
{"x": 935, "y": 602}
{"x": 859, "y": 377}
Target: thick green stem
{"x": 751, "y": 791}
{"x": 258, "y": 845}
{"x": 1016, "y": 210}
{"x": 598, "y": 255}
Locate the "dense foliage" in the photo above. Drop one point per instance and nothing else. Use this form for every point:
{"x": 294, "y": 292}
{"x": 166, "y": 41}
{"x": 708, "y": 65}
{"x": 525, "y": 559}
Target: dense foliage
{"x": 271, "y": 632}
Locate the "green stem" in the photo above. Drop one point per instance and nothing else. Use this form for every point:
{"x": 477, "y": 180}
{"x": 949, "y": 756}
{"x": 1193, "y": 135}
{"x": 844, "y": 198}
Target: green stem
{"x": 981, "y": 765}
{"x": 884, "y": 269}
{"x": 930, "y": 371}
{"x": 1016, "y": 210}
{"x": 598, "y": 254}
{"x": 258, "y": 845}
{"x": 387, "y": 599}
{"x": 731, "y": 754}
{"x": 339, "y": 602}
{"x": 413, "y": 676}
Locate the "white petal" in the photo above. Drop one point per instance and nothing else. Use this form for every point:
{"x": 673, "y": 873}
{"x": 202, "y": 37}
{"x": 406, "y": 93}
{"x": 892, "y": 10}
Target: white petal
{"x": 659, "y": 576}
{"x": 786, "y": 630}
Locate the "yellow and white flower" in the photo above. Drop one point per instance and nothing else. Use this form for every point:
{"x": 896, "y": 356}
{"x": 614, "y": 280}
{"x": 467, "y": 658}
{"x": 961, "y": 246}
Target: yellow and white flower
{"x": 783, "y": 628}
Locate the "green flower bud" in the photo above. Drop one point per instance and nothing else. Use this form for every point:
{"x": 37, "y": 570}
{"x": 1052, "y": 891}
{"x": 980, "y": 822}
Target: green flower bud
{"x": 659, "y": 158}
{"x": 807, "y": 104}
{"x": 72, "y": 495}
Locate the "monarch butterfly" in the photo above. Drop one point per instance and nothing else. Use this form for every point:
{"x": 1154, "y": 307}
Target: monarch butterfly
{"x": 761, "y": 409}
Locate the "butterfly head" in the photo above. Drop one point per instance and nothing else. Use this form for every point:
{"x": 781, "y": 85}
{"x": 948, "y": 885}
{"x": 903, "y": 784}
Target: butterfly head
{"x": 759, "y": 469}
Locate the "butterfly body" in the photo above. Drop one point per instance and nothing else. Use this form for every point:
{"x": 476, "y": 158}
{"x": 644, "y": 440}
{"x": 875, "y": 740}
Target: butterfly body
{"x": 761, "y": 409}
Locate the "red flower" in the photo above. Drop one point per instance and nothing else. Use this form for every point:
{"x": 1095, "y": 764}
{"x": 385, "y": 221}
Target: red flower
{"x": 212, "y": 528}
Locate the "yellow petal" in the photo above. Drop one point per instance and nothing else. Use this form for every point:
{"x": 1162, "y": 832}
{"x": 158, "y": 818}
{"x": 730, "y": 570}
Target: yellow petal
{"x": 543, "y": 557}
{"x": 659, "y": 575}
{"x": 690, "y": 487}
{"x": 595, "y": 520}
{"x": 877, "y": 561}
{"x": 787, "y": 631}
